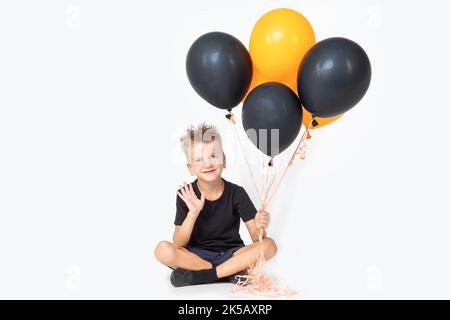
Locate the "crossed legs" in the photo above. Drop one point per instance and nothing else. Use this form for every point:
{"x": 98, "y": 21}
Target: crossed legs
{"x": 178, "y": 257}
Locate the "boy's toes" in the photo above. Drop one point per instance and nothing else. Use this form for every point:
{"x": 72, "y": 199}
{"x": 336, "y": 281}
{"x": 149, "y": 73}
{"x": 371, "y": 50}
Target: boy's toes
{"x": 181, "y": 278}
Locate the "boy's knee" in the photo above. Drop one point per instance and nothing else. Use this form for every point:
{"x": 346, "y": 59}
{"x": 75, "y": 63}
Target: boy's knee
{"x": 270, "y": 248}
{"x": 165, "y": 252}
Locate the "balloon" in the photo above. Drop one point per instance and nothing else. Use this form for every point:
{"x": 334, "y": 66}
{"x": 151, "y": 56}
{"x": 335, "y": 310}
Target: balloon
{"x": 318, "y": 121}
{"x": 257, "y": 79}
{"x": 307, "y": 117}
{"x": 333, "y": 77}
{"x": 279, "y": 40}
{"x": 219, "y": 69}
{"x": 292, "y": 84}
{"x": 269, "y": 106}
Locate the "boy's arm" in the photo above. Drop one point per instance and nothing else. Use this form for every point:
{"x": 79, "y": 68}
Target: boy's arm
{"x": 254, "y": 226}
{"x": 182, "y": 233}
{"x": 254, "y": 231}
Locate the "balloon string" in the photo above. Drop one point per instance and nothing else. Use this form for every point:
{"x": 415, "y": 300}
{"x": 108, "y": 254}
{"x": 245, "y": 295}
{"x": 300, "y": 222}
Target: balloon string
{"x": 266, "y": 177}
{"x": 272, "y": 172}
{"x": 254, "y": 281}
{"x": 299, "y": 150}
{"x": 230, "y": 116}
{"x": 270, "y": 169}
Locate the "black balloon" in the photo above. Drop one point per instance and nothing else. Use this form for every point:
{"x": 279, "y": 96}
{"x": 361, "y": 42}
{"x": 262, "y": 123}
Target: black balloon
{"x": 333, "y": 77}
{"x": 269, "y": 106}
{"x": 219, "y": 69}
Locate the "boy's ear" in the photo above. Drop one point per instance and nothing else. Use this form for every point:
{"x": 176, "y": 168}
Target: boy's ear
{"x": 224, "y": 161}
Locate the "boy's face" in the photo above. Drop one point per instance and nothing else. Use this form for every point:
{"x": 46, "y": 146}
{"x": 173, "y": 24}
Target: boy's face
{"x": 207, "y": 161}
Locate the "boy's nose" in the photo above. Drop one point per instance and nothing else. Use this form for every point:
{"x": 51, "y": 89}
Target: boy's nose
{"x": 207, "y": 161}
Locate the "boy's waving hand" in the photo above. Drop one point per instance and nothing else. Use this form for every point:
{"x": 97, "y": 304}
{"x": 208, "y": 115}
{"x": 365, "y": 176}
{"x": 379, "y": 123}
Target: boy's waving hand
{"x": 187, "y": 194}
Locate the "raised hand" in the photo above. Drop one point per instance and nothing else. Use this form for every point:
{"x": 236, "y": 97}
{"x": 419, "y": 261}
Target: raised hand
{"x": 187, "y": 194}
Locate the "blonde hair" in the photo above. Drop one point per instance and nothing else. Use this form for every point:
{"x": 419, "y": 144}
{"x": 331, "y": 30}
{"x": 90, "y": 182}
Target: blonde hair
{"x": 202, "y": 133}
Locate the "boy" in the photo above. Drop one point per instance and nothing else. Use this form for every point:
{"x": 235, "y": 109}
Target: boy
{"x": 206, "y": 242}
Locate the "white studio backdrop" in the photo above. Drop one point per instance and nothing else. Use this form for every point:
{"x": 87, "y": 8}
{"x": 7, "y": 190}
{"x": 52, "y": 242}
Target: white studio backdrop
{"x": 93, "y": 96}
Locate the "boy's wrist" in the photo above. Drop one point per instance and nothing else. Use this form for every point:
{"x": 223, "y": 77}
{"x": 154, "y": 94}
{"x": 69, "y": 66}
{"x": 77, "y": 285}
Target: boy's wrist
{"x": 260, "y": 231}
{"x": 193, "y": 213}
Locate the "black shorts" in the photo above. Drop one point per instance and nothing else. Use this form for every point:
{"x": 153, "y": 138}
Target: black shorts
{"x": 216, "y": 257}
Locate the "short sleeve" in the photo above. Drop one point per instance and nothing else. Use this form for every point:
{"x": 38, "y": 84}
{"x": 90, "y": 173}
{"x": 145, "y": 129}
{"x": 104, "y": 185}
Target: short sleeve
{"x": 181, "y": 212}
{"x": 243, "y": 205}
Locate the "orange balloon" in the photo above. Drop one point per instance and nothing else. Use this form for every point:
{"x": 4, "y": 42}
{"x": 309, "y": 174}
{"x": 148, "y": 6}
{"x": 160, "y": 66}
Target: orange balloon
{"x": 279, "y": 40}
{"x": 291, "y": 83}
{"x": 257, "y": 79}
{"x": 320, "y": 121}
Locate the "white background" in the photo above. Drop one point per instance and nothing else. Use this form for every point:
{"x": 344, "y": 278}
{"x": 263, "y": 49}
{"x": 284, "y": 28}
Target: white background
{"x": 93, "y": 95}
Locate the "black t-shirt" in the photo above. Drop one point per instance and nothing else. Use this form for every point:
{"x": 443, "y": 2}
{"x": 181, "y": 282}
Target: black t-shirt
{"x": 217, "y": 225}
